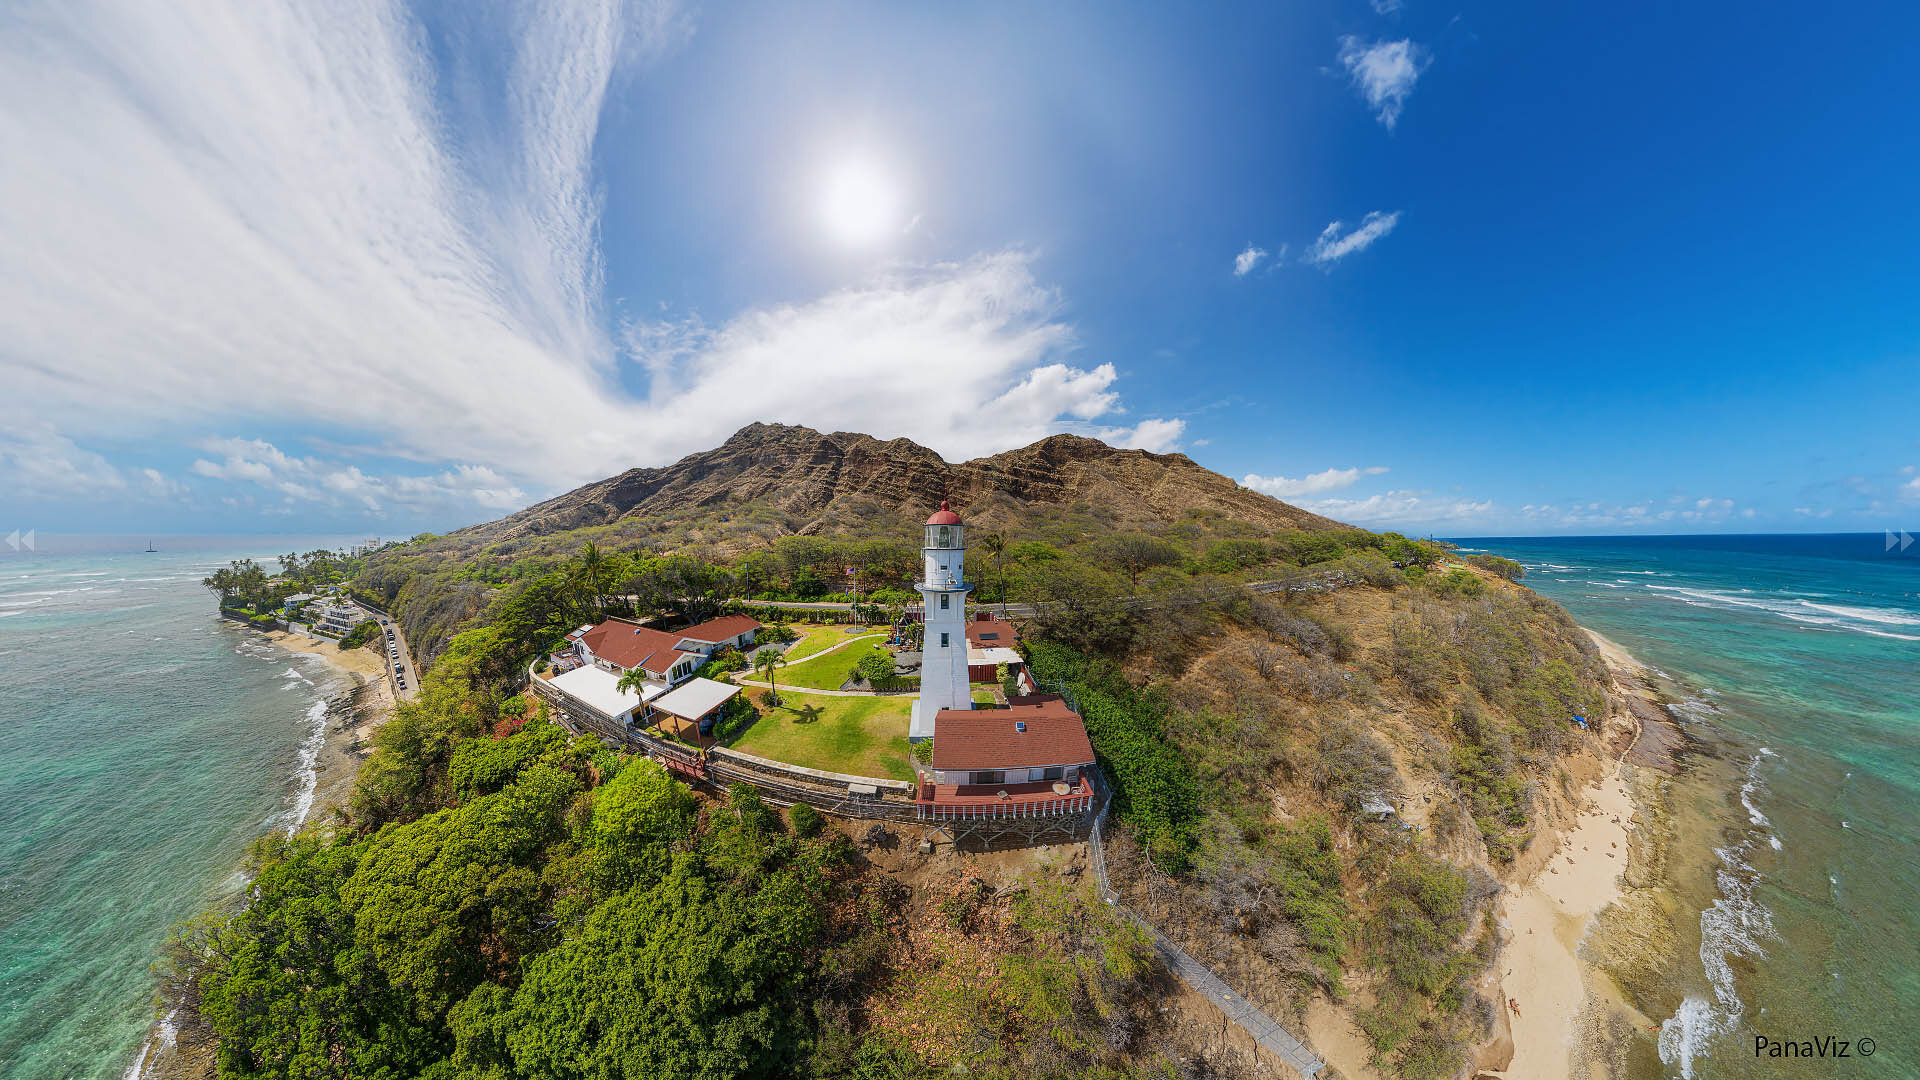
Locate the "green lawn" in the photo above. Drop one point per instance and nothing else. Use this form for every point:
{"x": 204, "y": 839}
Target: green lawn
{"x": 829, "y": 671}
{"x": 865, "y": 736}
{"x": 815, "y": 637}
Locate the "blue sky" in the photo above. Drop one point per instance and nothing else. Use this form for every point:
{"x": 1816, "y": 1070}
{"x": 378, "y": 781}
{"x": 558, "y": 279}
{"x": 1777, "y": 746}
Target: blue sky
{"x": 1467, "y": 269}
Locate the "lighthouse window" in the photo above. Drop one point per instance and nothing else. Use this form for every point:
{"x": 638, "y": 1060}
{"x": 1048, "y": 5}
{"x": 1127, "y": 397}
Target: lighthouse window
{"x": 943, "y": 601}
{"x": 943, "y": 641}
{"x": 946, "y": 536}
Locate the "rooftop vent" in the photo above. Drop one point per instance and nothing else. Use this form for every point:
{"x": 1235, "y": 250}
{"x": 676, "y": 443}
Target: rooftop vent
{"x": 1020, "y": 725}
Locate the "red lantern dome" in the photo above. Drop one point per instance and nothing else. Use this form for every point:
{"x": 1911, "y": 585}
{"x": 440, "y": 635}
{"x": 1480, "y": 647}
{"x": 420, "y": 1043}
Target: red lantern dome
{"x": 945, "y": 516}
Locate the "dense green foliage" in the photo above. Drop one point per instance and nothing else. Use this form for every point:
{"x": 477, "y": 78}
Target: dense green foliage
{"x": 360, "y": 635}
{"x": 539, "y": 926}
{"x": 1154, "y": 788}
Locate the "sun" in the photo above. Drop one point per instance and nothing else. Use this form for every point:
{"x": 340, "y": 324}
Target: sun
{"x": 861, "y": 203}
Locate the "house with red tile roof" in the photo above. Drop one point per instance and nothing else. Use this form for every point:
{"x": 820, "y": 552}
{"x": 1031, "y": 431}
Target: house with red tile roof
{"x": 1032, "y": 758}
{"x": 667, "y": 656}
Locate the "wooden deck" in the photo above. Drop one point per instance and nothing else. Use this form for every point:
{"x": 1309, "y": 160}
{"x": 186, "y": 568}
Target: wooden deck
{"x": 1001, "y": 800}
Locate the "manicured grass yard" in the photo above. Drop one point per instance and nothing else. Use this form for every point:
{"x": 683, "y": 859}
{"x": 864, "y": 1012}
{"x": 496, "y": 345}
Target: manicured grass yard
{"x": 815, "y": 637}
{"x": 865, "y": 736}
{"x": 826, "y": 672}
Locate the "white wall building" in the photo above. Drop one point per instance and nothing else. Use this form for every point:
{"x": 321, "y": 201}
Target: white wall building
{"x": 943, "y": 657}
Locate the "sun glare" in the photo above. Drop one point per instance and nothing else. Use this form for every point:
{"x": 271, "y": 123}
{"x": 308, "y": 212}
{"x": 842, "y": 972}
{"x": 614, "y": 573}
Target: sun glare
{"x": 860, "y": 204}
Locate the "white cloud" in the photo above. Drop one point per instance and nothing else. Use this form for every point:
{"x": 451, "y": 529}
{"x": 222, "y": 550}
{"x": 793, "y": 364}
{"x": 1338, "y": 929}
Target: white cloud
{"x": 1332, "y": 244}
{"x": 1388, "y": 7}
{"x": 1910, "y": 490}
{"x": 37, "y": 462}
{"x": 217, "y": 213}
{"x": 1384, "y": 73}
{"x": 1281, "y": 487}
{"x": 1156, "y": 436}
{"x": 318, "y": 482}
{"x": 1402, "y": 509}
{"x": 1244, "y": 262}
{"x": 967, "y": 358}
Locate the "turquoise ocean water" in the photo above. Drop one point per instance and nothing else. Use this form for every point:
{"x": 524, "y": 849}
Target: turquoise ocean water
{"x": 1798, "y": 659}
{"x": 145, "y": 742}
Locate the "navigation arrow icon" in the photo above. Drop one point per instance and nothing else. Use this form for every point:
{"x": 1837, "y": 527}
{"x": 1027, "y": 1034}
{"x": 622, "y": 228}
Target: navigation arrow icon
{"x": 13, "y": 540}
{"x": 1905, "y": 540}
{"x": 27, "y": 540}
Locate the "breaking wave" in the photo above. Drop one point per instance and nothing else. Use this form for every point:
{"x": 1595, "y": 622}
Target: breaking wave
{"x": 1858, "y": 620}
{"x": 1732, "y": 926}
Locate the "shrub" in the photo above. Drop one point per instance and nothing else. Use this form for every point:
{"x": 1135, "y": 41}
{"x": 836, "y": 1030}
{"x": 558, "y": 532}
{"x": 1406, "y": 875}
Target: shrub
{"x": 804, "y": 820}
{"x": 1418, "y": 657}
{"x": 1502, "y": 567}
{"x": 721, "y": 663}
{"x": 874, "y": 667}
{"x": 1351, "y": 764}
{"x": 1457, "y": 583}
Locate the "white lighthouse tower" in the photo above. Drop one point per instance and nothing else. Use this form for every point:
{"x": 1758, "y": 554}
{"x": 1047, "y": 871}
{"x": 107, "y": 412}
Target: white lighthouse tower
{"x": 943, "y": 591}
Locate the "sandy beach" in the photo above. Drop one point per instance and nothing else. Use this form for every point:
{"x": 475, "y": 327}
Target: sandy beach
{"x": 1552, "y": 995}
{"x": 350, "y": 727}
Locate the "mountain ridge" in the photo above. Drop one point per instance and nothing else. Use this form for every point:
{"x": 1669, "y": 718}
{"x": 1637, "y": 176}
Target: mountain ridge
{"x": 807, "y": 474}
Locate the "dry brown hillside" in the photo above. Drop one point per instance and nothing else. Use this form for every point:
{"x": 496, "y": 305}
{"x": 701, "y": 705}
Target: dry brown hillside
{"x": 808, "y": 476}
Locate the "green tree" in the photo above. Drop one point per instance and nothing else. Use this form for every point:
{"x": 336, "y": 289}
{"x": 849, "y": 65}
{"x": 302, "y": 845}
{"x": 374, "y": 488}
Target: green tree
{"x": 995, "y": 545}
{"x": 1136, "y": 553}
{"x": 687, "y": 978}
{"x": 765, "y": 663}
{"x": 590, "y": 576}
{"x": 639, "y": 817}
{"x": 443, "y": 903}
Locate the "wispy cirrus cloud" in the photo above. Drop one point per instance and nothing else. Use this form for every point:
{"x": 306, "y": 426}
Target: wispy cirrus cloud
{"x": 1281, "y": 487}
{"x": 217, "y": 213}
{"x": 1384, "y": 73}
{"x": 1249, "y": 258}
{"x": 1336, "y": 241}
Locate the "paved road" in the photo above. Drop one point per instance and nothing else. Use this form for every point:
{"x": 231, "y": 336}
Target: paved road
{"x": 406, "y": 655}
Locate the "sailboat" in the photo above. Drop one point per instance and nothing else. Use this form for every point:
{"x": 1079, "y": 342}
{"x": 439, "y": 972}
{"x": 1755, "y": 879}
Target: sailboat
{"x": 150, "y": 546}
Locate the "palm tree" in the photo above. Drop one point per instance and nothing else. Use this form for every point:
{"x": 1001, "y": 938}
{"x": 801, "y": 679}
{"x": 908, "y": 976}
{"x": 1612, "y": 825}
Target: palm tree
{"x": 765, "y": 661}
{"x": 593, "y": 566}
{"x": 995, "y": 544}
{"x": 634, "y": 682}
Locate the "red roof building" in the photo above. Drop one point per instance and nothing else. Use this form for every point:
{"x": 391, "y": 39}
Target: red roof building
{"x": 986, "y": 632}
{"x": 725, "y": 630}
{"x": 626, "y": 646}
{"x": 1037, "y": 739}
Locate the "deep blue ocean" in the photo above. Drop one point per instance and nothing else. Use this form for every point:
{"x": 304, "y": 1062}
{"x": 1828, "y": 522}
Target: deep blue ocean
{"x": 146, "y": 741}
{"x": 1798, "y": 659}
